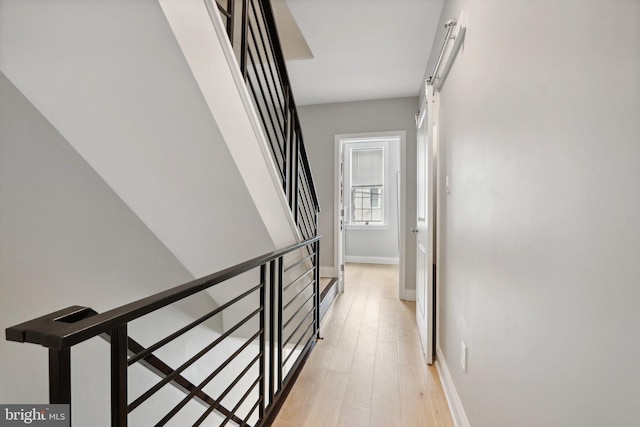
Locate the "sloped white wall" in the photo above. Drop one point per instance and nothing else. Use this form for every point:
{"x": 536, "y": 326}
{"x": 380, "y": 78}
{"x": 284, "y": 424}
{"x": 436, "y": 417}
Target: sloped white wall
{"x": 540, "y": 235}
{"x": 67, "y": 239}
{"x": 202, "y": 37}
{"x": 111, "y": 78}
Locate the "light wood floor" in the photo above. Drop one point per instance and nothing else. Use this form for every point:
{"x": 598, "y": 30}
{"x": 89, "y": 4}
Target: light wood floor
{"x": 369, "y": 369}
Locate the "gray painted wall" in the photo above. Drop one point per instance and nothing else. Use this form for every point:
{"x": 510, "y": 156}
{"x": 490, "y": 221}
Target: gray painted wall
{"x": 320, "y": 124}
{"x": 540, "y": 234}
{"x": 65, "y": 238}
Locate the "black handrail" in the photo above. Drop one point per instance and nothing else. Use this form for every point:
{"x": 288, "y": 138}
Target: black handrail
{"x": 58, "y": 332}
{"x": 63, "y": 329}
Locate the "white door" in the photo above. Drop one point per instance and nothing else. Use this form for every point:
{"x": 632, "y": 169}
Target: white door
{"x": 341, "y": 234}
{"x": 425, "y": 225}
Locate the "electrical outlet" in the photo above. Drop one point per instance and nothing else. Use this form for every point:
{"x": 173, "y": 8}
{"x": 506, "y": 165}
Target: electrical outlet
{"x": 463, "y": 356}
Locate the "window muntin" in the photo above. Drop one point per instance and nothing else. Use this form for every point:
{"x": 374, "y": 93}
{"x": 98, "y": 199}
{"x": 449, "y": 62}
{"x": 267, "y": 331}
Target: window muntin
{"x": 366, "y": 182}
{"x": 366, "y": 204}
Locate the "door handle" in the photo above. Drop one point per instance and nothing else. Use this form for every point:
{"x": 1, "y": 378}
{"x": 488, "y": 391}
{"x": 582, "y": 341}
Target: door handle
{"x": 414, "y": 230}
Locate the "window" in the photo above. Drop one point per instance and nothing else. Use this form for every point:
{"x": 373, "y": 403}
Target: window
{"x": 366, "y": 163}
{"x": 366, "y": 204}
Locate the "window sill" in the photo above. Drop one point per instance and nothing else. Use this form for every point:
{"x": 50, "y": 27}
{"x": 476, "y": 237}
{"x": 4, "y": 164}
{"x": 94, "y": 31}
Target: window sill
{"x": 380, "y": 227}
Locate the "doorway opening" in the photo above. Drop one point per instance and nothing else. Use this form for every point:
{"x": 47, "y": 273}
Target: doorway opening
{"x": 370, "y": 200}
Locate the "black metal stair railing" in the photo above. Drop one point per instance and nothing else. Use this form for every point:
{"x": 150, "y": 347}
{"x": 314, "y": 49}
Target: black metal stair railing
{"x": 260, "y": 353}
{"x": 253, "y": 33}
{"x": 160, "y": 368}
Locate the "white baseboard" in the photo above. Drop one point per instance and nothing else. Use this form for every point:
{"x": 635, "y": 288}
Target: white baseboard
{"x": 409, "y": 294}
{"x": 327, "y": 271}
{"x": 371, "y": 260}
{"x": 455, "y": 404}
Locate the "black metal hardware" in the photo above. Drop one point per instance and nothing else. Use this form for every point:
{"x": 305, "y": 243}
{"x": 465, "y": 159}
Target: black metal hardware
{"x": 263, "y": 67}
{"x": 268, "y": 371}
{"x": 60, "y": 376}
{"x": 119, "y": 350}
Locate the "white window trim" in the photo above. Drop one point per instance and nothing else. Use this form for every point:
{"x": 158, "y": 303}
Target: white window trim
{"x": 365, "y": 144}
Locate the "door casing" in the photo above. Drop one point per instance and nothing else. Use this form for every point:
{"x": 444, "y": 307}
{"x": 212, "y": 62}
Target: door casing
{"x": 339, "y": 208}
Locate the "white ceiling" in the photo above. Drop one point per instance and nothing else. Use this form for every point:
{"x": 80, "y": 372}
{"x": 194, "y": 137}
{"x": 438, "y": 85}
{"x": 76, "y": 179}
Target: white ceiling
{"x": 362, "y": 49}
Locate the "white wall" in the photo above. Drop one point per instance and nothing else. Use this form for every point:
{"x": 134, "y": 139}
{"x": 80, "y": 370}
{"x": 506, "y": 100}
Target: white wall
{"x": 146, "y": 95}
{"x": 320, "y": 124}
{"x": 65, "y": 239}
{"x": 540, "y": 237}
{"x": 377, "y": 244}
{"x": 113, "y": 80}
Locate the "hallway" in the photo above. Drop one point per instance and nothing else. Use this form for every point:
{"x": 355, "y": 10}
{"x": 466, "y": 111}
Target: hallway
{"x": 368, "y": 370}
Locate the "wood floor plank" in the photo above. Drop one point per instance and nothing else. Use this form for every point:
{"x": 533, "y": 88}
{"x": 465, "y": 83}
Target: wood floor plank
{"x": 369, "y": 370}
{"x": 414, "y": 396}
{"x": 440, "y": 408}
{"x": 360, "y": 384}
{"x": 327, "y": 399}
{"x": 353, "y": 417}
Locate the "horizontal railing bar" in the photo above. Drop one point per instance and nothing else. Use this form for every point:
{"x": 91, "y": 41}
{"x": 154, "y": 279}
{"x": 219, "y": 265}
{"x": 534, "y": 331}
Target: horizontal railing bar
{"x": 304, "y": 211}
{"x": 242, "y": 399}
{"x": 292, "y": 371}
{"x": 304, "y": 228}
{"x": 308, "y": 221}
{"x": 255, "y": 406}
{"x": 298, "y": 278}
{"x": 305, "y": 185}
{"x": 297, "y": 263}
{"x": 50, "y": 333}
{"x": 275, "y": 147}
{"x": 254, "y": 92}
{"x": 203, "y": 383}
{"x": 264, "y": 76}
{"x": 216, "y": 404}
{"x": 224, "y": 11}
{"x": 307, "y": 190}
{"x": 279, "y": 131}
{"x": 228, "y": 390}
{"x": 297, "y": 311}
{"x": 304, "y": 319}
{"x": 190, "y": 326}
{"x": 304, "y": 194}
{"x": 276, "y": 83}
{"x": 272, "y": 45}
{"x": 308, "y": 225}
{"x": 276, "y": 47}
{"x": 160, "y": 368}
{"x": 264, "y": 73}
{"x": 296, "y": 296}
{"x": 146, "y": 395}
{"x": 307, "y": 169}
{"x": 313, "y": 322}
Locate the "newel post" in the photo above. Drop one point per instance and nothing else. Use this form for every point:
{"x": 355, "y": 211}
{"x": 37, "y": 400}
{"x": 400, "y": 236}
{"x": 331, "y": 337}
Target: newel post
{"x": 60, "y": 376}
{"x": 119, "y": 344}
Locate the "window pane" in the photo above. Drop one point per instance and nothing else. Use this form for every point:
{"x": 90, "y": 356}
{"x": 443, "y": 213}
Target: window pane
{"x": 366, "y": 204}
